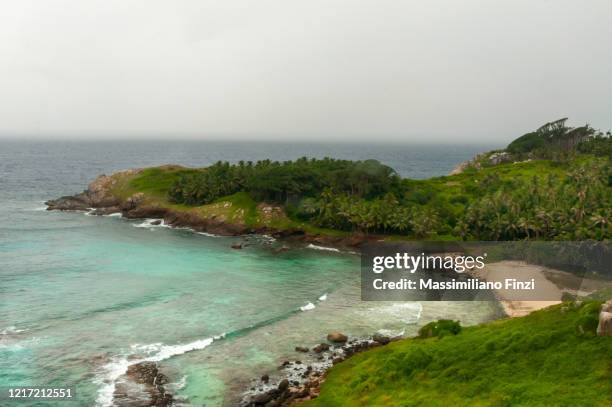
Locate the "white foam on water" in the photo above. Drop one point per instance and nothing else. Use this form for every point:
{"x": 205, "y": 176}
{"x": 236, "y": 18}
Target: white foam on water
{"x": 112, "y": 371}
{"x": 12, "y": 344}
{"x": 40, "y": 206}
{"x": 157, "y": 352}
{"x": 308, "y": 307}
{"x": 147, "y": 348}
{"x": 323, "y": 297}
{"x": 407, "y": 312}
{"x": 14, "y": 347}
{"x": 148, "y": 223}
{"x": 315, "y": 247}
{"x": 181, "y": 383}
{"x": 114, "y": 215}
{"x": 207, "y": 234}
{"x": 168, "y": 351}
{"x": 11, "y": 330}
{"x": 391, "y": 332}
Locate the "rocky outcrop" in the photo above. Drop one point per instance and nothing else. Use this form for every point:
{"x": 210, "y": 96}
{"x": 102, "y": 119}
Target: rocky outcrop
{"x": 499, "y": 158}
{"x": 197, "y": 222}
{"x": 604, "y": 328}
{"x": 144, "y": 386}
{"x": 79, "y": 202}
{"x": 100, "y": 199}
{"x": 301, "y": 381}
{"x": 382, "y": 339}
{"x": 337, "y": 337}
{"x": 322, "y": 347}
{"x": 460, "y": 168}
{"x": 97, "y": 195}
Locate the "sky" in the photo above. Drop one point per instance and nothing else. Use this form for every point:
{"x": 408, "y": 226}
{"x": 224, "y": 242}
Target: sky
{"x": 397, "y": 70}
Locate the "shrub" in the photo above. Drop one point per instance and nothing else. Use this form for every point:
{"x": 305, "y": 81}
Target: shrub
{"x": 415, "y": 359}
{"x": 586, "y": 324}
{"x": 440, "y": 328}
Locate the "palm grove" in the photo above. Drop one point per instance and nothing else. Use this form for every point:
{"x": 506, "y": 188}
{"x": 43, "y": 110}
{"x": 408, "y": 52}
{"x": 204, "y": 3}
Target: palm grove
{"x": 554, "y": 184}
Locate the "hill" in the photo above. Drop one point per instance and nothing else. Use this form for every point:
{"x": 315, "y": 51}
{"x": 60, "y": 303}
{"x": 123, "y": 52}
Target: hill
{"x": 496, "y": 197}
{"x": 550, "y": 357}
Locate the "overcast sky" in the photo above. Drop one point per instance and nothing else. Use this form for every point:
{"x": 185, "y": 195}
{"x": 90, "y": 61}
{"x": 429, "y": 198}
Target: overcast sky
{"x": 477, "y": 70}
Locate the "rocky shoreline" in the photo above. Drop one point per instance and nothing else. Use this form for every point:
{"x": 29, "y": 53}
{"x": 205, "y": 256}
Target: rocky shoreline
{"x": 298, "y": 381}
{"x": 98, "y": 199}
{"x": 144, "y": 386}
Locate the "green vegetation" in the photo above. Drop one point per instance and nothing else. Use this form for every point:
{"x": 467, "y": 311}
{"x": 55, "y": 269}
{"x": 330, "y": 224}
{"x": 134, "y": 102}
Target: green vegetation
{"x": 554, "y": 139}
{"x": 567, "y": 197}
{"x": 550, "y": 357}
{"x": 284, "y": 182}
{"x": 440, "y": 328}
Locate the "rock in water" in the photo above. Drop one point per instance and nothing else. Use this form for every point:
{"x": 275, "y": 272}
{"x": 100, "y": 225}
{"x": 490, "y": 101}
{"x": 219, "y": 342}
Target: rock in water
{"x": 382, "y": 339}
{"x": 337, "y": 337}
{"x": 321, "y": 348}
{"x": 148, "y": 375}
{"x": 237, "y": 246}
{"x": 78, "y": 202}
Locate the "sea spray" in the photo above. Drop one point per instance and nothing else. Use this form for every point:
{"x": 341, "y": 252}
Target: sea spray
{"x": 120, "y": 364}
{"x": 324, "y": 248}
{"x": 308, "y": 307}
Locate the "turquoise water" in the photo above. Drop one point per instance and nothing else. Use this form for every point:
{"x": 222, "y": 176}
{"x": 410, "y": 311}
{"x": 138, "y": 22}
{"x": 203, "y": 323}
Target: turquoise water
{"x": 82, "y": 297}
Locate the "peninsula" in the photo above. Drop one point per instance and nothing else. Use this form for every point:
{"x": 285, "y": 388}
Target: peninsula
{"x": 551, "y": 184}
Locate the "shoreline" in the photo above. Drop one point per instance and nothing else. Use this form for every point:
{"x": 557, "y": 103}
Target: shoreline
{"x": 100, "y": 199}
{"x": 301, "y": 381}
{"x": 555, "y": 283}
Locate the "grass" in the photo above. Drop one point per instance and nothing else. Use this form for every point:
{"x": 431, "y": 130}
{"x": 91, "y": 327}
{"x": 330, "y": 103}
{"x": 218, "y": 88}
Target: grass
{"x": 158, "y": 180}
{"x": 240, "y": 207}
{"x": 548, "y": 358}
{"x": 450, "y": 188}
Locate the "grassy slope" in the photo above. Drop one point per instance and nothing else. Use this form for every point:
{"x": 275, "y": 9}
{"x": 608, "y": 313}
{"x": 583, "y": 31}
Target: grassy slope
{"x": 537, "y": 360}
{"x": 155, "y": 182}
{"x": 240, "y": 207}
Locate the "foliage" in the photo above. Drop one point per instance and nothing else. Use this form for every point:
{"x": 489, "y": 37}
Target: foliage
{"x": 532, "y": 200}
{"x": 527, "y": 143}
{"x": 440, "y": 328}
{"x": 553, "y": 140}
{"x": 598, "y": 145}
{"x": 560, "y": 199}
{"x": 575, "y": 206}
{"x": 285, "y": 182}
{"x": 539, "y": 359}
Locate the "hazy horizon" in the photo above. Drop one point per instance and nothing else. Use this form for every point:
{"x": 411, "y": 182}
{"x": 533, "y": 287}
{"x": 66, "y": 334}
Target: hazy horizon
{"x": 250, "y": 139}
{"x": 341, "y": 71}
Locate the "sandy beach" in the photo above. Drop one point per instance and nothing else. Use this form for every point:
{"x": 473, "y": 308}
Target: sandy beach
{"x": 550, "y": 285}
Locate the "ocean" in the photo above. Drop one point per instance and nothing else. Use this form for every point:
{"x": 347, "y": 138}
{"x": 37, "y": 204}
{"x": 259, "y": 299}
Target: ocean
{"x": 83, "y": 297}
